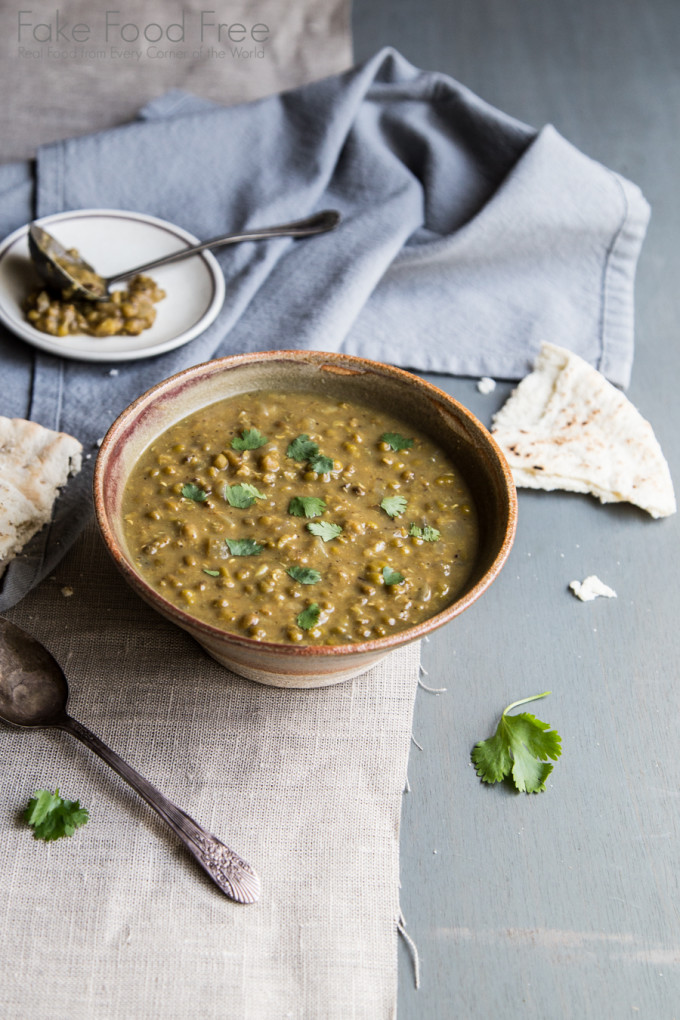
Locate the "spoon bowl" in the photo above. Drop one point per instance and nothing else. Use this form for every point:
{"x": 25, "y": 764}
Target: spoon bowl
{"x": 63, "y": 271}
{"x": 33, "y": 688}
{"x": 34, "y": 692}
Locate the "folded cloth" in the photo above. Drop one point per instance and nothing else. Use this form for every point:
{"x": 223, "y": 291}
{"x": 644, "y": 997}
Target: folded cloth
{"x": 467, "y": 239}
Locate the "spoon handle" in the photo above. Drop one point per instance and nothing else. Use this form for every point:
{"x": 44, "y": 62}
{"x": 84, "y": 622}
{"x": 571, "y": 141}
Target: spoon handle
{"x": 317, "y": 224}
{"x": 227, "y": 870}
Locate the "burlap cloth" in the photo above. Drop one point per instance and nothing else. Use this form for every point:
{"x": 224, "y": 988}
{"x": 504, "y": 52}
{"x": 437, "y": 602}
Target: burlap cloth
{"x": 53, "y": 87}
{"x": 118, "y": 921}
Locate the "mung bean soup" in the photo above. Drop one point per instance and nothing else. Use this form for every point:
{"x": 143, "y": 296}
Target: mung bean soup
{"x": 300, "y": 519}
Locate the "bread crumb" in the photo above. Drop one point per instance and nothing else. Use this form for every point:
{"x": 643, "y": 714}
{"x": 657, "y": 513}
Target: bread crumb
{"x": 66, "y": 591}
{"x": 590, "y": 588}
{"x": 486, "y": 385}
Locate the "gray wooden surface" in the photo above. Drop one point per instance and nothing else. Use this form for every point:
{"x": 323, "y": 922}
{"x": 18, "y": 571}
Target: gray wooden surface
{"x": 563, "y": 904}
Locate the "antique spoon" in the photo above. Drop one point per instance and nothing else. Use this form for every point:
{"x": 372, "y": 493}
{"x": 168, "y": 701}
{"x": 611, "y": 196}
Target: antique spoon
{"x": 34, "y": 692}
{"x": 73, "y": 276}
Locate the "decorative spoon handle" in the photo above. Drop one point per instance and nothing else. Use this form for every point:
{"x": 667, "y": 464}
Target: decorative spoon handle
{"x": 319, "y": 223}
{"x": 227, "y": 870}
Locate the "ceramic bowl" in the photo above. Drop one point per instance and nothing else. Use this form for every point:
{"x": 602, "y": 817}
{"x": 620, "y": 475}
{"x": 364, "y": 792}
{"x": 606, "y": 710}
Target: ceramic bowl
{"x": 443, "y": 418}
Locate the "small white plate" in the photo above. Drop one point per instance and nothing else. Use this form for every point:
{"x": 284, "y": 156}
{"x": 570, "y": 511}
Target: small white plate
{"x": 112, "y": 241}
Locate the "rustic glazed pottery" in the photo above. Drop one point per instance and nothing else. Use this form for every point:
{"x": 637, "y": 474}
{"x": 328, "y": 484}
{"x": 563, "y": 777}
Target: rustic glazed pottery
{"x": 347, "y": 377}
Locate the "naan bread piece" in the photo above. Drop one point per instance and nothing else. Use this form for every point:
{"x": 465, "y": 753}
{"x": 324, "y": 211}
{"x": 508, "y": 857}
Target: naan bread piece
{"x": 566, "y": 427}
{"x": 34, "y": 463}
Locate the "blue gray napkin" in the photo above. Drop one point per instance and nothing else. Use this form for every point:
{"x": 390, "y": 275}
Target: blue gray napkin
{"x": 467, "y": 239}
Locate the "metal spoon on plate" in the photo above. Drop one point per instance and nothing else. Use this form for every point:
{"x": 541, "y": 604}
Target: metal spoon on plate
{"x": 72, "y": 276}
{"x": 34, "y": 692}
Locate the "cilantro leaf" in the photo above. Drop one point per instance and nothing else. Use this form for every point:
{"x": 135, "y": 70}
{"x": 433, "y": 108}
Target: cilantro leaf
{"x": 427, "y": 533}
{"x": 394, "y": 506}
{"x": 51, "y": 817}
{"x": 391, "y": 576}
{"x": 322, "y": 465}
{"x": 243, "y": 546}
{"x": 195, "y": 492}
{"x": 520, "y": 746}
{"x": 242, "y": 496}
{"x": 309, "y": 617}
{"x": 305, "y": 575}
{"x": 306, "y": 506}
{"x": 250, "y": 439}
{"x": 302, "y": 448}
{"x": 212, "y": 573}
{"x": 324, "y": 529}
{"x": 396, "y": 441}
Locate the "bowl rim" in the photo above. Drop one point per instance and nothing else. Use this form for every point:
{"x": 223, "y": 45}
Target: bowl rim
{"x": 121, "y": 426}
